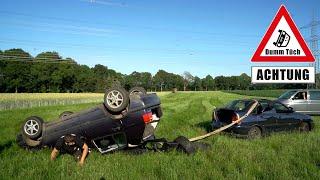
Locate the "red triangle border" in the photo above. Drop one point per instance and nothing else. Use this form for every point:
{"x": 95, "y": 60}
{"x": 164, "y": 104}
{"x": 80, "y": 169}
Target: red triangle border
{"x": 257, "y": 55}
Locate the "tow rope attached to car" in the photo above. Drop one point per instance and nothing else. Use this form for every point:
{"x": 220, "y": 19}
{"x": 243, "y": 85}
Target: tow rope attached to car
{"x": 226, "y": 126}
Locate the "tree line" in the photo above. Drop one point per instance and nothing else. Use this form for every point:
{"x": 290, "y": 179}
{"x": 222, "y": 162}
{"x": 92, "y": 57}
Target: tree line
{"x": 49, "y": 72}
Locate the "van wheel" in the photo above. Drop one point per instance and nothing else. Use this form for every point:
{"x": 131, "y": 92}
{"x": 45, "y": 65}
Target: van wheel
{"x": 304, "y": 127}
{"x": 116, "y": 99}
{"x": 137, "y": 91}
{"x": 32, "y": 127}
{"x": 254, "y": 133}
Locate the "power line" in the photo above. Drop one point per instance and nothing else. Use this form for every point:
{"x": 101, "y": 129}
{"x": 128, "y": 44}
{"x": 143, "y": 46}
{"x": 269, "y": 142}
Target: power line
{"x": 129, "y": 49}
{"x": 100, "y": 32}
{"x": 68, "y": 61}
{"x": 126, "y": 26}
{"x": 87, "y": 31}
{"x": 313, "y": 41}
{"x": 312, "y": 23}
{"x": 110, "y": 48}
{"x": 107, "y": 3}
{"x": 123, "y": 50}
{"x": 76, "y": 30}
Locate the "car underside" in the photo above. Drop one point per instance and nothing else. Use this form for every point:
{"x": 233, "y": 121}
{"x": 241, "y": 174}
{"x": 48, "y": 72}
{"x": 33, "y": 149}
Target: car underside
{"x": 104, "y": 126}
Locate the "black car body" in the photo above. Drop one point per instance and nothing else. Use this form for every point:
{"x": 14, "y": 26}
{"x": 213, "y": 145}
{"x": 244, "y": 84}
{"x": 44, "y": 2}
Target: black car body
{"x": 268, "y": 116}
{"x": 106, "y": 130}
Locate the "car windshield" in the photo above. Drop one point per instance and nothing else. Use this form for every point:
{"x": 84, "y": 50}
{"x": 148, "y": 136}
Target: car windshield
{"x": 240, "y": 105}
{"x": 287, "y": 94}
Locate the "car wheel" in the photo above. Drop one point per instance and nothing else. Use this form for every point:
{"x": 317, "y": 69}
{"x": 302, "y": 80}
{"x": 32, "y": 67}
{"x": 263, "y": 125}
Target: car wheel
{"x": 137, "y": 91}
{"x": 185, "y": 145}
{"x": 116, "y": 99}
{"x": 159, "y": 112}
{"x": 304, "y": 127}
{"x": 254, "y": 133}
{"x": 32, "y": 127}
{"x": 20, "y": 141}
{"x": 28, "y": 144}
{"x": 201, "y": 146}
{"x": 65, "y": 114}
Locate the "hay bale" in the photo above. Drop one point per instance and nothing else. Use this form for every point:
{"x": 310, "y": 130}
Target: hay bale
{"x": 174, "y": 90}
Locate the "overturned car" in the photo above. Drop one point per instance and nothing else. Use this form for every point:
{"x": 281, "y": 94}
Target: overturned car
{"x": 124, "y": 119}
{"x": 267, "y": 116}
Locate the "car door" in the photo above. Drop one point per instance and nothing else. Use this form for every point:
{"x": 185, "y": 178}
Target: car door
{"x": 314, "y": 102}
{"x": 299, "y": 103}
{"x": 286, "y": 120}
{"x": 268, "y": 120}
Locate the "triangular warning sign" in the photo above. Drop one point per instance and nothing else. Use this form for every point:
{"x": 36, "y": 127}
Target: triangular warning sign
{"x": 282, "y": 42}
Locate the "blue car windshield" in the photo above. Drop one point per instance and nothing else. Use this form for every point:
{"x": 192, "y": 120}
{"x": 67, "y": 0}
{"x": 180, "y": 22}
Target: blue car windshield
{"x": 240, "y": 105}
{"x": 287, "y": 95}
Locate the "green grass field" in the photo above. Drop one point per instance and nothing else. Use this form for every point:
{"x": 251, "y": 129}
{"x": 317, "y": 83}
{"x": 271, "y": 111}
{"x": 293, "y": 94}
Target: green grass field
{"x": 279, "y": 156}
{"x": 265, "y": 93}
{"x": 28, "y": 100}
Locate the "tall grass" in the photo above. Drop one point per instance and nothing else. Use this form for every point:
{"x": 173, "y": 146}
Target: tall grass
{"x": 290, "y": 155}
{"x": 28, "y": 100}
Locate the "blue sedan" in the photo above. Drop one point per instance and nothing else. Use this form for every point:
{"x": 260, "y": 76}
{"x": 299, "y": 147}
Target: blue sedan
{"x": 268, "y": 116}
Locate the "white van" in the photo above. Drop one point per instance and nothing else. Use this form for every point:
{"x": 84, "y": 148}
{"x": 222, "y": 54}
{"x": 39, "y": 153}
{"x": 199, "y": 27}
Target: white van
{"x": 305, "y": 101}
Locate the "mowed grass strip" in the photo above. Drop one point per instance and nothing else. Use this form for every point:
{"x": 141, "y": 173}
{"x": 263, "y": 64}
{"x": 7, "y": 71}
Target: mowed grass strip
{"x": 28, "y": 100}
{"x": 289, "y": 155}
{"x": 264, "y": 93}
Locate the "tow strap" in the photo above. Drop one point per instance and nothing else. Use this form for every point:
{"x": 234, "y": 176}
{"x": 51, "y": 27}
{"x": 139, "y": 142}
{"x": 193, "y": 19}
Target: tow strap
{"x": 184, "y": 144}
{"x": 226, "y": 126}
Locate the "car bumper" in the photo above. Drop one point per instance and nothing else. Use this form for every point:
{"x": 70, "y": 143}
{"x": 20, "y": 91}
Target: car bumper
{"x": 238, "y": 129}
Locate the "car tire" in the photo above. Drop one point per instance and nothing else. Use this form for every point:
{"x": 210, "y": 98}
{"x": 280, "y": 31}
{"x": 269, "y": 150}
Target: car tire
{"x": 137, "y": 91}
{"x": 28, "y": 144}
{"x": 201, "y": 146}
{"x": 159, "y": 112}
{"x": 185, "y": 145}
{"x": 254, "y": 132}
{"x": 116, "y": 99}
{"x": 32, "y": 127}
{"x": 20, "y": 141}
{"x": 304, "y": 127}
{"x": 65, "y": 114}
